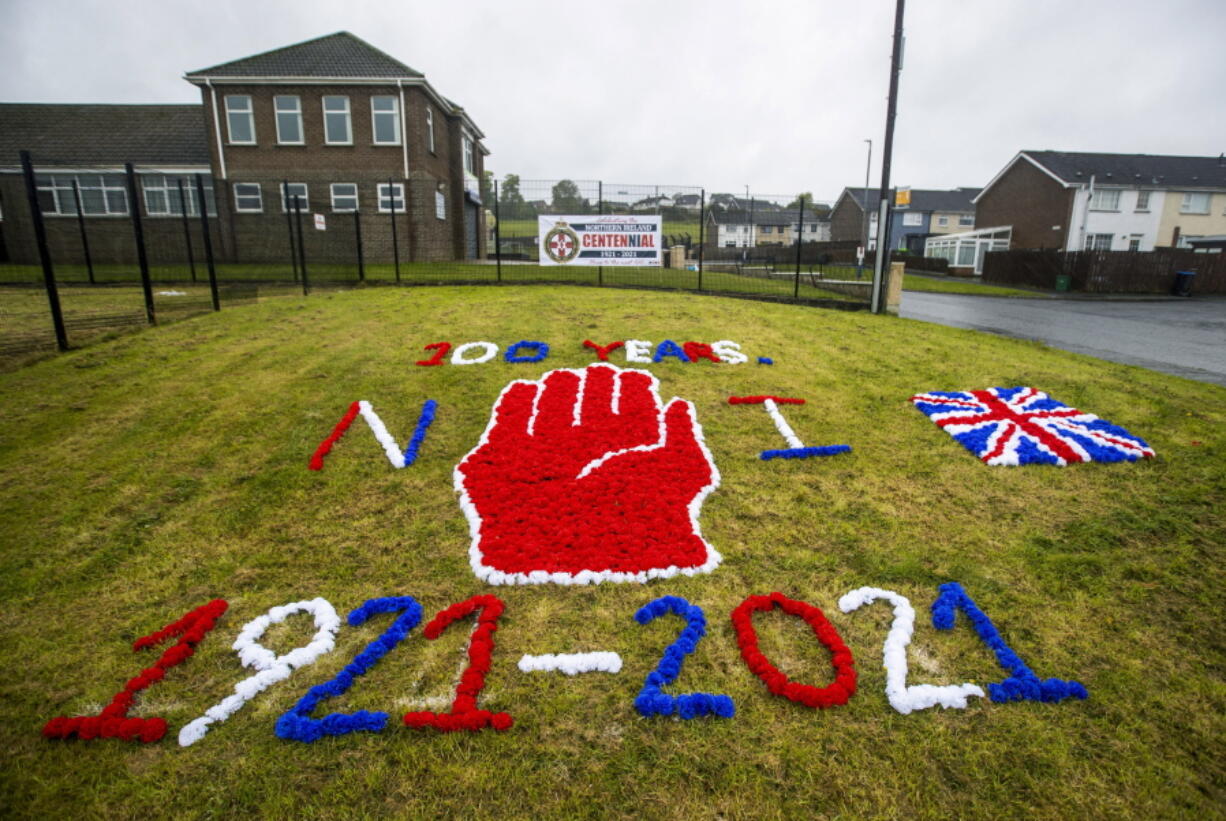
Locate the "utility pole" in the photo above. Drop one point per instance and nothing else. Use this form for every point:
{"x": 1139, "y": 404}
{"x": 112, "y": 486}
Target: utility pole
{"x": 881, "y": 263}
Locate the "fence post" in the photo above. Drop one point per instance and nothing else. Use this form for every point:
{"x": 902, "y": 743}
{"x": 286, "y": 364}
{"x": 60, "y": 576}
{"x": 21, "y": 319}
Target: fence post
{"x": 208, "y": 242}
{"x": 357, "y": 230}
{"x": 306, "y": 285}
{"x": 497, "y": 233}
{"x": 289, "y": 225}
{"x": 139, "y": 231}
{"x": 391, "y": 199}
{"x": 800, "y": 235}
{"x": 44, "y": 255}
{"x": 89, "y": 263}
{"x": 187, "y": 234}
{"x": 600, "y": 210}
{"x": 702, "y": 231}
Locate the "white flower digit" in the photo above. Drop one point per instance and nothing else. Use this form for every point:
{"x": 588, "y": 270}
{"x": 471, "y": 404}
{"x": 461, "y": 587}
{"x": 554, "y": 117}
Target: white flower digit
{"x": 573, "y": 663}
{"x": 272, "y": 668}
{"x": 903, "y": 698}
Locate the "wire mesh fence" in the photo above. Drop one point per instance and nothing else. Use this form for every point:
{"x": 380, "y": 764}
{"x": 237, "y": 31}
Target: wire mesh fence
{"x": 124, "y": 250}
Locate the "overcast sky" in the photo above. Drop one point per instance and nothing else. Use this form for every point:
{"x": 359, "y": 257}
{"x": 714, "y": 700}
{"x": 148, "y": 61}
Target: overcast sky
{"x": 776, "y": 94}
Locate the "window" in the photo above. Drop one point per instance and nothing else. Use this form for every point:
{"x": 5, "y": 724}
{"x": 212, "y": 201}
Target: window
{"x": 391, "y": 197}
{"x": 1134, "y": 242}
{"x": 440, "y": 205}
{"x": 1185, "y": 240}
{"x": 1105, "y": 199}
{"x": 1195, "y": 202}
{"x": 943, "y": 222}
{"x": 966, "y": 219}
{"x": 385, "y": 120}
{"x": 966, "y": 254}
{"x": 162, "y": 196}
{"x": 430, "y": 129}
{"x": 1142, "y": 201}
{"x": 1099, "y": 242}
{"x": 470, "y": 164}
{"x": 764, "y": 229}
{"x": 297, "y": 191}
{"x": 239, "y": 119}
{"x": 289, "y": 119}
{"x": 344, "y": 196}
{"x": 912, "y": 218}
{"x": 101, "y": 194}
{"x": 338, "y": 129}
{"x": 813, "y": 228}
{"x": 247, "y": 197}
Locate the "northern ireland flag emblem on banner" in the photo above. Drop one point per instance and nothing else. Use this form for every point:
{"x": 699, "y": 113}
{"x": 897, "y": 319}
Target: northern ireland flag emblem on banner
{"x": 1023, "y": 426}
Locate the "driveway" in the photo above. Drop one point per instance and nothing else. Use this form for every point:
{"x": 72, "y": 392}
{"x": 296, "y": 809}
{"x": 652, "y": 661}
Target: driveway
{"x": 1182, "y": 337}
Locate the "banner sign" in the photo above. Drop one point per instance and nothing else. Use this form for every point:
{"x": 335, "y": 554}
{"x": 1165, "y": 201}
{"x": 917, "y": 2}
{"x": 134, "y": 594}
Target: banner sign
{"x": 600, "y": 240}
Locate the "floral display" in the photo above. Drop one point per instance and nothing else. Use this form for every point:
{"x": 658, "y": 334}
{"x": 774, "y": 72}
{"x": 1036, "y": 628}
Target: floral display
{"x": 1022, "y": 684}
{"x": 382, "y": 436}
{"x": 572, "y": 663}
{"x": 1024, "y": 426}
{"x": 583, "y": 476}
{"x": 540, "y": 351}
{"x": 652, "y": 700}
{"x": 903, "y": 698}
{"x": 297, "y": 724}
{"x": 602, "y": 351}
{"x": 419, "y": 433}
{"x": 796, "y": 449}
{"x": 488, "y": 351}
{"x": 844, "y": 685}
{"x": 113, "y": 721}
{"x": 271, "y": 667}
{"x": 464, "y": 713}
{"x": 765, "y": 360}
{"x": 325, "y": 447}
{"x": 669, "y": 348}
{"x": 441, "y": 349}
{"x": 700, "y": 350}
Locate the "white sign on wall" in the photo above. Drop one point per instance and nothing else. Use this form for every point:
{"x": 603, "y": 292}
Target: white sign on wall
{"x": 320, "y": 223}
{"x": 599, "y": 240}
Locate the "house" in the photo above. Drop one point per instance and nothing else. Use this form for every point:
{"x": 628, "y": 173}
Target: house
{"x": 741, "y": 229}
{"x": 931, "y": 211}
{"x": 688, "y": 202}
{"x": 649, "y": 204}
{"x": 1113, "y": 202}
{"x": 332, "y": 124}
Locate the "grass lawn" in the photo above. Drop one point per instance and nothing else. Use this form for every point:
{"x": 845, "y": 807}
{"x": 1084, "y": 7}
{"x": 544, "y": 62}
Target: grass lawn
{"x": 915, "y": 282}
{"x": 146, "y": 475}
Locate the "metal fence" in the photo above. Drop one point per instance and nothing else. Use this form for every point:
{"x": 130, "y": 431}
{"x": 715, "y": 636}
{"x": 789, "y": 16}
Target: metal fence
{"x": 91, "y": 254}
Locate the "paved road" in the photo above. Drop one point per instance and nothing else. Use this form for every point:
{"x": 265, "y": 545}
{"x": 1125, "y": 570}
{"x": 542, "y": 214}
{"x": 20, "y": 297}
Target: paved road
{"x": 1186, "y": 337}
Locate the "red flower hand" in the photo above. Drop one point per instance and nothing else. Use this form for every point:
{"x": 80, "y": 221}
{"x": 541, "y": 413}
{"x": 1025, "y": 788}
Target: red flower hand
{"x": 583, "y": 477}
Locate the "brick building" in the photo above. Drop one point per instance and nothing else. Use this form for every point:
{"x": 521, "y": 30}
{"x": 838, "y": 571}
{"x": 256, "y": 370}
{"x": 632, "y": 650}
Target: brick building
{"x": 334, "y": 122}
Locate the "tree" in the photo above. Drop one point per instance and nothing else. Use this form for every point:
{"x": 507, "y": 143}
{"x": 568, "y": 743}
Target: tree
{"x": 566, "y": 198}
{"x": 806, "y": 198}
{"x": 511, "y": 202}
{"x": 487, "y": 187}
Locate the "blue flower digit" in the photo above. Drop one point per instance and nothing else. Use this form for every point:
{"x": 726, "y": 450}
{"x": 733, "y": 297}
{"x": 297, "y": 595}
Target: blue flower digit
{"x": 297, "y": 723}
{"x": 1023, "y": 684}
{"x": 513, "y": 355}
{"x": 652, "y": 700}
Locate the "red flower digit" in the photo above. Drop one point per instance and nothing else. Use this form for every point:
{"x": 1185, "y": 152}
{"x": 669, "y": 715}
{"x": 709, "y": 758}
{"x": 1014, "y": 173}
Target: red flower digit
{"x": 583, "y": 477}
{"x": 844, "y": 685}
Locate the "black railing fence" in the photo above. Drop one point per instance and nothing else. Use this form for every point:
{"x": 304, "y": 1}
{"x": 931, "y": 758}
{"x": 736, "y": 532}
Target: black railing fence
{"x": 87, "y": 254}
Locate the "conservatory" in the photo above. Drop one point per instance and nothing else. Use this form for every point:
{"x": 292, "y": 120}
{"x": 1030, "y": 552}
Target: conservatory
{"x": 966, "y": 250}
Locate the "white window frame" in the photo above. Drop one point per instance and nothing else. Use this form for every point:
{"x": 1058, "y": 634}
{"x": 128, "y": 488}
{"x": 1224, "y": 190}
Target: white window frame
{"x": 106, "y": 186}
{"x": 304, "y": 197}
{"x": 395, "y": 200}
{"x": 239, "y": 196}
{"x": 166, "y": 188}
{"x": 1142, "y": 201}
{"x": 1134, "y": 242}
{"x": 323, "y": 104}
{"x": 394, "y": 113}
{"x": 232, "y": 111}
{"x": 912, "y": 218}
{"x": 1105, "y": 199}
{"x": 943, "y": 222}
{"x": 1186, "y": 204}
{"x": 470, "y": 161}
{"x": 336, "y": 196}
{"x": 430, "y": 129}
{"x": 966, "y": 220}
{"x": 295, "y": 112}
{"x": 440, "y": 205}
{"x": 1094, "y": 242}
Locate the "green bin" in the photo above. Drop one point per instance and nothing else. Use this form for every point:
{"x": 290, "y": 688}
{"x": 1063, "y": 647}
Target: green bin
{"x": 1063, "y": 282}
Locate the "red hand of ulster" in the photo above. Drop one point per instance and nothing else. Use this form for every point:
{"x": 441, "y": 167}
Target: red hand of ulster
{"x": 583, "y": 477}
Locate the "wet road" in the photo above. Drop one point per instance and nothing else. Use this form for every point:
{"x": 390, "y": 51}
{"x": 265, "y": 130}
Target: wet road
{"x": 1186, "y": 338}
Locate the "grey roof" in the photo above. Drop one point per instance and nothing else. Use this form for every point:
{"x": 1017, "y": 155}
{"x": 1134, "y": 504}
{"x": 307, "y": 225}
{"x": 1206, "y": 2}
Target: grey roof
{"x": 71, "y": 134}
{"x": 1134, "y": 169}
{"x": 777, "y": 217}
{"x": 334, "y": 55}
{"x": 923, "y": 199}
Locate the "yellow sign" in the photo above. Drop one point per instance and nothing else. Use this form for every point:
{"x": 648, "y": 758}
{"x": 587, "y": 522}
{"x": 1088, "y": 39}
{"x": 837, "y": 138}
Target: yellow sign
{"x": 902, "y": 197}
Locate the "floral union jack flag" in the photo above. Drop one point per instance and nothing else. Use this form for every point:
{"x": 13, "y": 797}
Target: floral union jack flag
{"x": 1023, "y": 426}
